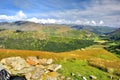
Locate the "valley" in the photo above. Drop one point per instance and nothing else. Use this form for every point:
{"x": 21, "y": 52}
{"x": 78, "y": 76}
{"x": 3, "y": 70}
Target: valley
{"x": 80, "y": 52}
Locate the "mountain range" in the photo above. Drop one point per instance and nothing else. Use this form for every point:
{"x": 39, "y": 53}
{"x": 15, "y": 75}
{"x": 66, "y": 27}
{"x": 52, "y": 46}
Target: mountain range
{"x": 31, "y": 26}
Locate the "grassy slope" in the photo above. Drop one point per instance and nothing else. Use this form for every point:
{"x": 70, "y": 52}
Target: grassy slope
{"x": 75, "y": 61}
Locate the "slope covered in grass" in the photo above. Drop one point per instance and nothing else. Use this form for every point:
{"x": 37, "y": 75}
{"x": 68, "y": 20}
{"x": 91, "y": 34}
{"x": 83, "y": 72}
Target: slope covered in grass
{"x": 48, "y": 39}
{"x": 85, "y": 62}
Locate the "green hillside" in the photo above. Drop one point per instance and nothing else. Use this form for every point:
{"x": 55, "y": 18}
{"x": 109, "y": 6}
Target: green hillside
{"x": 113, "y": 42}
{"x": 47, "y": 38}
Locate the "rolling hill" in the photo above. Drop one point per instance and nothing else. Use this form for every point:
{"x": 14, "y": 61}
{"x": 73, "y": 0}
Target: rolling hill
{"x": 67, "y": 46}
{"x": 115, "y": 35}
{"x": 46, "y": 37}
{"x": 90, "y": 61}
{"x": 96, "y": 29}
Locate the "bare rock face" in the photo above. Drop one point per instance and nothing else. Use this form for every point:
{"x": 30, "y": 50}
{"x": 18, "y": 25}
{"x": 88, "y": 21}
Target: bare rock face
{"x": 32, "y": 68}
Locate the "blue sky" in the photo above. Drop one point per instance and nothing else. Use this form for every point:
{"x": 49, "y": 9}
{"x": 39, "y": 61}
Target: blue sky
{"x": 90, "y": 12}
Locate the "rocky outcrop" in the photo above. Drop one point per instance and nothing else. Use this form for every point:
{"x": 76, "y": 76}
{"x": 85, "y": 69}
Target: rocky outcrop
{"x": 31, "y": 67}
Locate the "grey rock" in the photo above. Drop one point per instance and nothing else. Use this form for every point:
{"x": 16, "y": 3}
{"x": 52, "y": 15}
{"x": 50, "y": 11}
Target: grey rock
{"x": 68, "y": 78}
{"x": 62, "y": 77}
{"x": 93, "y": 77}
{"x": 49, "y": 61}
{"x": 38, "y": 73}
{"x": 24, "y": 70}
{"x": 79, "y": 75}
{"x": 51, "y": 78}
{"x": 17, "y": 63}
{"x": 32, "y": 68}
{"x": 1, "y": 67}
{"x": 32, "y": 60}
{"x": 54, "y": 67}
{"x": 28, "y": 76}
{"x": 84, "y": 78}
{"x": 4, "y": 75}
{"x": 72, "y": 74}
{"x": 42, "y": 61}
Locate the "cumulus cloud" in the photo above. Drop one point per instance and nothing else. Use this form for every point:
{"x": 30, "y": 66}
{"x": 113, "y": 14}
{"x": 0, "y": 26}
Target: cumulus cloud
{"x": 22, "y": 16}
{"x": 19, "y": 16}
{"x": 97, "y": 10}
{"x": 101, "y": 22}
{"x": 93, "y": 22}
{"x": 49, "y": 21}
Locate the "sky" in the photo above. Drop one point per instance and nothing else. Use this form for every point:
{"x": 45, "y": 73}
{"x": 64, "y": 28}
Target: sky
{"x": 88, "y": 12}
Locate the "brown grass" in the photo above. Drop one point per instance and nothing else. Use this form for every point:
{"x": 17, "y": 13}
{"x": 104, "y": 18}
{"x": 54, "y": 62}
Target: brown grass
{"x": 97, "y": 57}
{"x": 106, "y": 65}
{"x": 85, "y": 54}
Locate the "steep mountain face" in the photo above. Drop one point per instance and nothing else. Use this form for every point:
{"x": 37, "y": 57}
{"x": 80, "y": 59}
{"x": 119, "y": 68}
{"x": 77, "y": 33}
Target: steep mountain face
{"x": 95, "y": 29}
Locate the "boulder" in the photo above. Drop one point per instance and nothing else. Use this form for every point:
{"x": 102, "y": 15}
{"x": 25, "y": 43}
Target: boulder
{"x": 40, "y": 66}
{"x": 37, "y": 74}
{"x": 84, "y": 78}
{"x": 49, "y": 61}
{"x": 4, "y": 75}
{"x": 32, "y": 60}
{"x": 42, "y": 61}
{"x": 1, "y": 67}
{"x": 28, "y": 76}
{"x": 52, "y": 76}
{"x": 17, "y": 63}
{"x": 23, "y": 71}
{"x": 32, "y": 68}
{"x": 54, "y": 67}
{"x": 72, "y": 74}
{"x": 93, "y": 77}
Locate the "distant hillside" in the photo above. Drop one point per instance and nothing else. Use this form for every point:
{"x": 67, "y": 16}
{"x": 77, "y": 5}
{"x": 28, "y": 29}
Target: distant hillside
{"x": 54, "y": 30}
{"x": 114, "y": 42}
{"x": 48, "y": 37}
{"x": 27, "y": 26}
{"x": 115, "y": 35}
{"x": 95, "y": 29}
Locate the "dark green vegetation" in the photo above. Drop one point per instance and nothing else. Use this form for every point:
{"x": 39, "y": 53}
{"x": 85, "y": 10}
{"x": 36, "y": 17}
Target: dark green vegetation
{"x": 113, "y": 47}
{"x": 113, "y": 44}
{"x": 45, "y": 45}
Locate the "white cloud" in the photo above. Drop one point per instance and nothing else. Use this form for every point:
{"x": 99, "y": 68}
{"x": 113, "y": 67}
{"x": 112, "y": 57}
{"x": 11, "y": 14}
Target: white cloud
{"x": 19, "y": 16}
{"x": 36, "y": 20}
{"x": 51, "y": 21}
{"x": 93, "y": 22}
{"x": 101, "y": 22}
